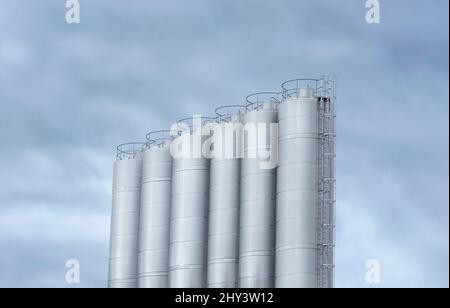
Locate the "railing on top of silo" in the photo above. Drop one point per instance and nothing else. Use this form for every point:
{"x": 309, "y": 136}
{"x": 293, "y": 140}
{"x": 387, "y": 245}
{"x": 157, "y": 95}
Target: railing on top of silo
{"x": 189, "y": 124}
{"x": 158, "y": 138}
{"x": 226, "y": 112}
{"x": 257, "y": 100}
{"x": 130, "y": 150}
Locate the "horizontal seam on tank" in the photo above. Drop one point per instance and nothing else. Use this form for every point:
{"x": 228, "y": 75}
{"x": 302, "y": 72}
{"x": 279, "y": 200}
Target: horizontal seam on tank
{"x": 312, "y": 136}
{"x": 243, "y": 201}
{"x": 222, "y": 233}
{"x": 258, "y": 277}
{"x": 257, "y": 199}
{"x": 191, "y": 169}
{"x": 121, "y": 258}
{"x": 189, "y": 193}
{"x": 257, "y": 253}
{"x": 187, "y": 266}
{"x": 211, "y": 210}
{"x": 278, "y": 220}
{"x": 234, "y": 183}
{"x": 296, "y": 189}
{"x": 149, "y": 274}
{"x": 149, "y": 228}
{"x": 150, "y": 204}
{"x": 186, "y": 242}
{"x": 295, "y": 247}
{"x": 114, "y": 235}
{"x": 153, "y": 249}
{"x": 223, "y": 260}
{"x": 243, "y": 228}
{"x": 298, "y": 163}
{"x": 187, "y": 217}
{"x": 149, "y": 181}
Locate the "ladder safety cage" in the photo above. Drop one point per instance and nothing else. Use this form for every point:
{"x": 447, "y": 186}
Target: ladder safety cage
{"x": 326, "y": 94}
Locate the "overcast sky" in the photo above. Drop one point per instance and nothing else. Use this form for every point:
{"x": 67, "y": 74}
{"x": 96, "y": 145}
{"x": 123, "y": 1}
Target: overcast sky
{"x": 69, "y": 93}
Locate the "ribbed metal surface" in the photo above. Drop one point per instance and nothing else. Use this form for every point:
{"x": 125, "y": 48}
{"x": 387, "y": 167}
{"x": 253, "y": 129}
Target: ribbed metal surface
{"x": 188, "y": 221}
{"x": 125, "y": 223}
{"x": 257, "y": 212}
{"x": 154, "y": 219}
{"x": 223, "y": 239}
{"x": 297, "y": 192}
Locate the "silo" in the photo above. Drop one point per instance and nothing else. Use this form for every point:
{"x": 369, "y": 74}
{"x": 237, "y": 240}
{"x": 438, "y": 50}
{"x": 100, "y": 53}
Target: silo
{"x": 223, "y": 235}
{"x": 125, "y": 216}
{"x": 155, "y": 212}
{"x": 189, "y": 208}
{"x": 258, "y": 188}
{"x": 303, "y": 219}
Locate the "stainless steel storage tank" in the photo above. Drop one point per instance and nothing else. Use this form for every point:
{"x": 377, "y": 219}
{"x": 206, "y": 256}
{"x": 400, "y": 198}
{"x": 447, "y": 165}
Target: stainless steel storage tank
{"x": 153, "y": 261}
{"x": 125, "y": 216}
{"x": 258, "y": 188}
{"x": 223, "y": 235}
{"x": 297, "y": 190}
{"x": 305, "y": 186}
{"x": 189, "y": 211}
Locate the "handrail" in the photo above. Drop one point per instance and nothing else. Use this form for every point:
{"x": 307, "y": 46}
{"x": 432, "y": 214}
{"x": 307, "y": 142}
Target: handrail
{"x": 256, "y": 100}
{"x": 323, "y": 87}
{"x": 186, "y": 125}
{"x": 291, "y": 87}
{"x": 158, "y": 138}
{"x": 225, "y": 113}
{"x": 130, "y": 150}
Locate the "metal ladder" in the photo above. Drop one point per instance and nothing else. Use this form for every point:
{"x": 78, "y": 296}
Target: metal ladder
{"x": 325, "y": 233}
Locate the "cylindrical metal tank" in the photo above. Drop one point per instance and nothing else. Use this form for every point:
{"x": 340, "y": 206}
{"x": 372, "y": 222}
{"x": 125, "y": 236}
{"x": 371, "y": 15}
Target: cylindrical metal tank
{"x": 297, "y": 190}
{"x": 223, "y": 235}
{"x": 153, "y": 261}
{"x": 258, "y": 188}
{"x": 189, "y": 213}
{"x": 125, "y": 216}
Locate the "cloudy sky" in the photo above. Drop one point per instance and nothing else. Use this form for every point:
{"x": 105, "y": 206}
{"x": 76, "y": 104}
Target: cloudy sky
{"x": 70, "y": 92}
